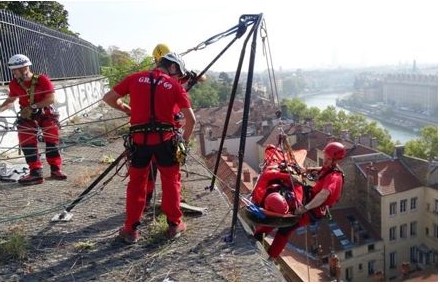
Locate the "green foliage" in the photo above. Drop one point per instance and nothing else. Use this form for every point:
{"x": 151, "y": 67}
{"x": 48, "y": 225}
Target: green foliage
{"x": 48, "y": 13}
{"x": 296, "y": 108}
{"x": 356, "y": 124}
{"x": 156, "y": 230}
{"x": 121, "y": 58}
{"x": 13, "y": 246}
{"x": 84, "y": 246}
{"x": 205, "y": 94}
{"x": 224, "y": 78}
{"x": 425, "y": 147}
{"x": 117, "y": 64}
{"x": 104, "y": 58}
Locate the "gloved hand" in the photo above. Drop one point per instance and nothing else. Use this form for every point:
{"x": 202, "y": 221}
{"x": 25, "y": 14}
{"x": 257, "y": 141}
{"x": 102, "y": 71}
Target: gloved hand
{"x": 26, "y": 112}
{"x": 181, "y": 152}
{"x": 300, "y": 210}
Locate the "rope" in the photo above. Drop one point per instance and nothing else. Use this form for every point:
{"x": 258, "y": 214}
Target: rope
{"x": 58, "y": 88}
{"x": 307, "y": 254}
{"x": 269, "y": 64}
{"x": 239, "y": 29}
{"x": 67, "y": 146}
{"x": 64, "y": 205}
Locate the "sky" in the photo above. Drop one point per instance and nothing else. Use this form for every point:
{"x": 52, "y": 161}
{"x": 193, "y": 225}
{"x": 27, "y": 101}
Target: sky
{"x": 305, "y": 34}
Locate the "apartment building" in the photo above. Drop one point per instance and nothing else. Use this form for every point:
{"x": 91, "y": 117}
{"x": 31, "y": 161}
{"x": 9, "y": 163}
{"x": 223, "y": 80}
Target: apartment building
{"x": 416, "y": 91}
{"x": 398, "y": 197}
{"x": 395, "y": 200}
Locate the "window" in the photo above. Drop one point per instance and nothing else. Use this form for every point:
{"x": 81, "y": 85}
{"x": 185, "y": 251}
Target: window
{"x": 349, "y": 273}
{"x": 403, "y": 231}
{"x": 393, "y": 208}
{"x": 413, "y": 254}
{"x": 360, "y": 266}
{"x": 403, "y": 206}
{"x": 371, "y": 247}
{"x": 434, "y": 230}
{"x": 371, "y": 269}
{"x": 413, "y": 228}
{"x": 393, "y": 233}
{"x": 393, "y": 257}
{"x": 426, "y": 231}
{"x": 435, "y": 206}
{"x": 413, "y": 204}
{"x": 348, "y": 254}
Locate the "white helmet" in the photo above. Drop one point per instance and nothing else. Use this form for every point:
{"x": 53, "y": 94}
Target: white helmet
{"x": 18, "y": 61}
{"x": 176, "y": 58}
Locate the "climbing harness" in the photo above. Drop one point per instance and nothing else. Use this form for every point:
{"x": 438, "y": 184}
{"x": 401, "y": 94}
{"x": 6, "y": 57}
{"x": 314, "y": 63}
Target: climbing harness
{"x": 278, "y": 175}
{"x": 321, "y": 211}
{"x": 28, "y": 112}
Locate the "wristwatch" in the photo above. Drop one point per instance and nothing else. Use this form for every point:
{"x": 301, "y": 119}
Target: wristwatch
{"x": 34, "y": 106}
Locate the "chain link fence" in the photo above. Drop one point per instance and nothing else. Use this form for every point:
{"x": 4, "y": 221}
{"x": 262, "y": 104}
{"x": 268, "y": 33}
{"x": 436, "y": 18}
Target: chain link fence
{"x": 59, "y": 55}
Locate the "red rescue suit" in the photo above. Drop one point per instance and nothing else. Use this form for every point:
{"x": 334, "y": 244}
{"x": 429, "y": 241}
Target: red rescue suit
{"x": 46, "y": 118}
{"x": 332, "y": 181}
{"x": 153, "y": 146}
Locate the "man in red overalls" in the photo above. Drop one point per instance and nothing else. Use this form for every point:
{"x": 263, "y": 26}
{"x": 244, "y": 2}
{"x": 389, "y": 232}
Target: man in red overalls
{"x": 325, "y": 193}
{"x": 36, "y": 96}
{"x": 159, "y": 51}
{"x": 154, "y": 97}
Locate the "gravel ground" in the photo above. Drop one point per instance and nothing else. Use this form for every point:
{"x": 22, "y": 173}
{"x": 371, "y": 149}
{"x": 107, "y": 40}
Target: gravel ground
{"x": 86, "y": 249}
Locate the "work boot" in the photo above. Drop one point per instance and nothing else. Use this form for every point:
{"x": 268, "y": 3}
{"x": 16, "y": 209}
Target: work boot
{"x": 174, "y": 231}
{"x": 56, "y": 173}
{"x": 33, "y": 178}
{"x": 129, "y": 236}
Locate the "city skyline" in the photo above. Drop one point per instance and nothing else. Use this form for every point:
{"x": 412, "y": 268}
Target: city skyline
{"x": 301, "y": 34}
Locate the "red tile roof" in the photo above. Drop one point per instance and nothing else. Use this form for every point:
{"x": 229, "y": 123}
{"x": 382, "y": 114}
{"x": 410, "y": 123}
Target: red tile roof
{"x": 392, "y": 177}
{"x": 316, "y": 140}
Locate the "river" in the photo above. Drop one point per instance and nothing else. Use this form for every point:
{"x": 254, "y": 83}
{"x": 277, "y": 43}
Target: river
{"x": 322, "y": 101}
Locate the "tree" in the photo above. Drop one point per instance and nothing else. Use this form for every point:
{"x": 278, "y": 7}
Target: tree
{"x": 48, "y": 13}
{"x": 356, "y": 124}
{"x": 224, "y": 78}
{"x": 104, "y": 59}
{"x": 204, "y": 95}
{"x": 122, "y": 64}
{"x": 425, "y": 147}
{"x": 120, "y": 58}
{"x": 296, "y": 108}
{"x": 138, "y": 55}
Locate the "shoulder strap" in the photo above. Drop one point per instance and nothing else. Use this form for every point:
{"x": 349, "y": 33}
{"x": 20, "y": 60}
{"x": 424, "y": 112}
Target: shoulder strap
{"x": 153, "y": 84}
{"x": 31, "y": 90}
{"x": 335, "y": 169}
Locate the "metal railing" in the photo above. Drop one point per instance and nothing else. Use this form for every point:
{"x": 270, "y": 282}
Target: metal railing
{"x": 54, "y": 53}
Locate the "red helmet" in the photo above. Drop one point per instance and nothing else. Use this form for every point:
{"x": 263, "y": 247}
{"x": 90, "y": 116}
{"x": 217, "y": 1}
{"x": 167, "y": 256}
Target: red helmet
{"x": 335, "y": 150}
{"x": 275, "y": 202}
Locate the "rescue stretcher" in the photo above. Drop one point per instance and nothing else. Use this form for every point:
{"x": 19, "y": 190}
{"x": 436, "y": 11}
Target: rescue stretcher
{"x": 280, "y": 168}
